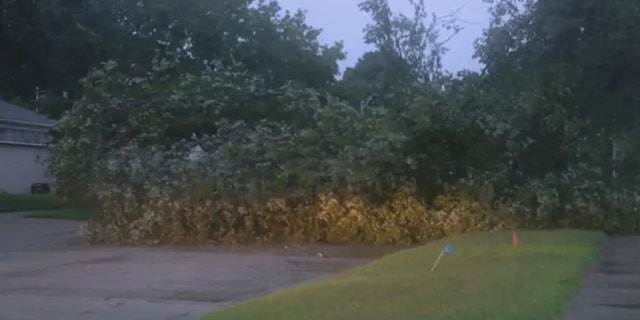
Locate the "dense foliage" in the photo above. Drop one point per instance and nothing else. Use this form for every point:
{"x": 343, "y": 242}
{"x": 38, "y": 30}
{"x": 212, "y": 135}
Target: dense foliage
{"x": 51, "y": 44}
{"x": 226, "y": 124}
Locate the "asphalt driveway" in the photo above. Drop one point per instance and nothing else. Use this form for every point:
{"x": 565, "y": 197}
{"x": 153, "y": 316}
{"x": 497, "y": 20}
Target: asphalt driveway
{"x": 47, "y": 273}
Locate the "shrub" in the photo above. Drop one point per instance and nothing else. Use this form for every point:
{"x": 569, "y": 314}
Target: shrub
{"x": 172, "y": 199}
{"x": 196, "y": 217}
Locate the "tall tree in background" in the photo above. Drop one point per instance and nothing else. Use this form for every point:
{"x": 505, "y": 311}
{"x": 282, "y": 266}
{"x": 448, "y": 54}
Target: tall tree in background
{"x": 52, "y": 44}
{"x": 569, "y": 71}
{"x": 408, "y": 51}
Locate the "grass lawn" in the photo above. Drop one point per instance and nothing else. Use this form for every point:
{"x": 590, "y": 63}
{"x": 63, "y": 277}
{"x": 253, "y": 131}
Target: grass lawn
{"x": 61, "y": 214}
{"x": 27, "y": 202}
{"x": 484, "y": 278}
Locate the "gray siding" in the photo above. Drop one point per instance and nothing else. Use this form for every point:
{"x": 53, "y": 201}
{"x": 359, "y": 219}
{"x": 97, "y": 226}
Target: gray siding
{"x": 19, "y": 167}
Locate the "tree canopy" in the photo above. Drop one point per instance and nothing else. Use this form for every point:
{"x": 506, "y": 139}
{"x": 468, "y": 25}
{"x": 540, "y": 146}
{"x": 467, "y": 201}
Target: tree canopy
{"x": 53, "y": 44}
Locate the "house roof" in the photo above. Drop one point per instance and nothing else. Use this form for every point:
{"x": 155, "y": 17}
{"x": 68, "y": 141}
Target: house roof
{"x": 12, "y": 113}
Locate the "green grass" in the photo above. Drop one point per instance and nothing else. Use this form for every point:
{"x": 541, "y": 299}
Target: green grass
{"x": 61, "y": 214}
{"x": 27, "y": 202}
{"x": 484, "y": 278}
{"x": 40, "y": 207}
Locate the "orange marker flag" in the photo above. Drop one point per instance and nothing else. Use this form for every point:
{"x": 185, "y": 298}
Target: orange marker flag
{"x": 514, "y": 239}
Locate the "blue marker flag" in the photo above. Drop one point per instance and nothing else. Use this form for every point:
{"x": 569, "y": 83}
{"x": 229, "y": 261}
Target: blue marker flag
{"x": 448, "y": 249}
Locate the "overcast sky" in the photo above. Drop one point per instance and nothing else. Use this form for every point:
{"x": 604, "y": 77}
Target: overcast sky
{"x": 341, "y": 20}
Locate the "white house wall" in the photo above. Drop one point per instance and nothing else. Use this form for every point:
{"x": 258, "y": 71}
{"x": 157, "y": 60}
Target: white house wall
{"x": 20, "y": 168}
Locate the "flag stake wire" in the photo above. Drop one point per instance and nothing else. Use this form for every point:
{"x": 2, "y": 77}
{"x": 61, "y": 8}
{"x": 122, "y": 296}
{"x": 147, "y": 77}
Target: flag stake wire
{"x": 448, "y": 250}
